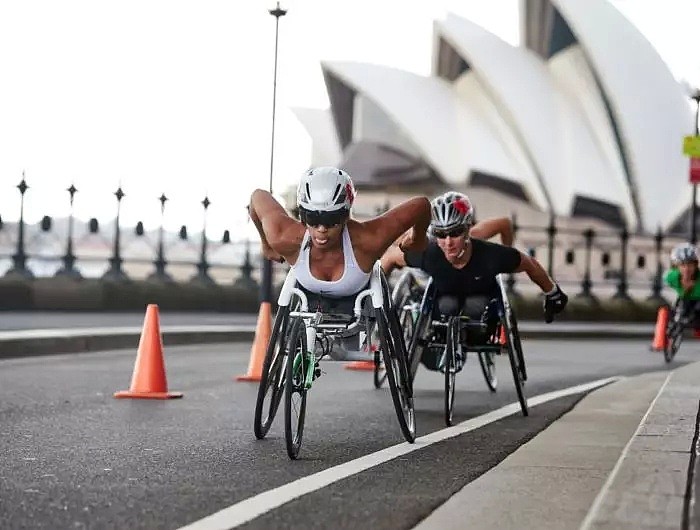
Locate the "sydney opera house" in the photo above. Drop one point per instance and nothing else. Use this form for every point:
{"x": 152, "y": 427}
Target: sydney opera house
{"x": 582, "y": 120}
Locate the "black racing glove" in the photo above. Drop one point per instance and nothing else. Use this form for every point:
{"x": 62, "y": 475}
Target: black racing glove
{"x": 554, "y": 303}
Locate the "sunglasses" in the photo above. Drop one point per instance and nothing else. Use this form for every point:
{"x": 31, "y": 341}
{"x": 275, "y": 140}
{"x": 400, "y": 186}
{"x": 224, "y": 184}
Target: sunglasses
{"x": 455, "y": 232}
{"x": 327, "y": 219}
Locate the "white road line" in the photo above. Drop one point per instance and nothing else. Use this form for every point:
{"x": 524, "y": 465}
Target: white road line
{"x": 598, "y": 501}
{"x": 255, "y": 506}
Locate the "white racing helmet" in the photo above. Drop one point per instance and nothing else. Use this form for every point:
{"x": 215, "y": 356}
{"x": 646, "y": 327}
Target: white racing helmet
{"x": 451, "y": 210}
{"x": 684, "y": 253}
{"x": 325, "y": 196}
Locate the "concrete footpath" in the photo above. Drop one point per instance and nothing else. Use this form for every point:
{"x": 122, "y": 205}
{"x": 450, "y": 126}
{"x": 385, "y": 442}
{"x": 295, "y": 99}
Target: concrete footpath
{"x": 25, "y": 334}
{"x": 623, "y": 458}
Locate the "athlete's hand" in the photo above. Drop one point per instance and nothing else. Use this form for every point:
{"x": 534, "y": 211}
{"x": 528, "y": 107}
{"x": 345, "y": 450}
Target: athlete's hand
{"x": 411, "y": 241}
{"x": 554, "y": 303}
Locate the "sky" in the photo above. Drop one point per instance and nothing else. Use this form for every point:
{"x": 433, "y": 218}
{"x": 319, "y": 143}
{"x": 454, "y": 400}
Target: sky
{"x": 175, "y": 96}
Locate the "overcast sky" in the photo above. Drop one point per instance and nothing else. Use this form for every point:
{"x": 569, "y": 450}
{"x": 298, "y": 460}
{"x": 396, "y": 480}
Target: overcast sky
{"x": 175, "y": 96}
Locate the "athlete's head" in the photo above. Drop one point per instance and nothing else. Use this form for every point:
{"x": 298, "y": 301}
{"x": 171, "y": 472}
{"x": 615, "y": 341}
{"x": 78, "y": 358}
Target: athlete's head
{"x": 452, "y": 215}
{"x": 325, "y": 196}
{"x": 685, "y": 257}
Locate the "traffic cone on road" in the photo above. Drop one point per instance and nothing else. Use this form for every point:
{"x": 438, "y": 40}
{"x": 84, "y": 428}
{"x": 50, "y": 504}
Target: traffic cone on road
{"x": 659, "y": 342}
{"x": 263, "y": 330}
{"x": 502, "y": 336}
{"x": 148, "y": 380}
{"x": 363, "y": 366}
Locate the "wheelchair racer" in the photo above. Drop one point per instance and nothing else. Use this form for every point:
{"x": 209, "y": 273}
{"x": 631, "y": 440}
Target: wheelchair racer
{"x": 463, "y": 268}
{"x": 331, "y": 253}
{"x": 683, "y": 277}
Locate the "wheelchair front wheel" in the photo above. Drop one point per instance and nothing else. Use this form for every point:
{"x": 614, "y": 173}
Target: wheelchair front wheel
{"x": 451, "y": 368}
{"x": 488, "y": 368}
{"x": 295, "y": 388}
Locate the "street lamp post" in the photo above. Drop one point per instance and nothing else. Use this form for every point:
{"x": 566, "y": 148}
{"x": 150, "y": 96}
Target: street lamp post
{"x": 266, "y": 284}
{"x": 693, "y": 205}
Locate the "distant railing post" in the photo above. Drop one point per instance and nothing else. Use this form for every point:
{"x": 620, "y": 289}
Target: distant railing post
{"x": 622, "y": 282}
{"x": 115, "y": 272}
{"x": 68, "y": 270}
{"x": 203, "y": 267}
{"x": 159, "y": 274}
{"x": 657, "y": 282}
{"x": 245, "y": 280}
{"x": 551, "y": 233}
{"x": 586, "y": 283}
{"x": 19, "y": 258}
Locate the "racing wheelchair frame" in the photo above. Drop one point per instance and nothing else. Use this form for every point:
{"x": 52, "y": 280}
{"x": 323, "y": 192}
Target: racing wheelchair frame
{"x": 456, "y": 343}
{"x": 300, "y": 338}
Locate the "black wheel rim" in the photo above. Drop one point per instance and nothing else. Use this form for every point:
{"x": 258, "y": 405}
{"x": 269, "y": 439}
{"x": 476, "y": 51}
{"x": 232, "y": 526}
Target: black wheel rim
{"x": 488, "y": 368}
{"x": 514, "y": 365}
{"x": 295, "y": 390}
{"x": 450, "y": 371}
{"x": 397, "y": 375}
{"x": 271, "y": 387}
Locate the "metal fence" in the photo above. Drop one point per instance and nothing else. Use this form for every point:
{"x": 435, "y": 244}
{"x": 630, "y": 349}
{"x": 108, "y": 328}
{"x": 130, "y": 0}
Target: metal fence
{"x": 590, "y": 262}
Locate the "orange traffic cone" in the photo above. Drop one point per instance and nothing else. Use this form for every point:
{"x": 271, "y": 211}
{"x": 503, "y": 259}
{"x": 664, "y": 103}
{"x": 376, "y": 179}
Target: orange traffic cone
{"x": 148, "y": 380}
{"x": 363, "y": 366}
{"x": 263, "y": 330}
{"x": 659, "y": 342}
{"x": 502, "y": 336}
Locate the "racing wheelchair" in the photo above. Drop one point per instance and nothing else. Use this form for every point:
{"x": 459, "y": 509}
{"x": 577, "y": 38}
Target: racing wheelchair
{"x": 302, "y": 337}
{"x": 452, "y": 337}
{"x": 683, "y": 314}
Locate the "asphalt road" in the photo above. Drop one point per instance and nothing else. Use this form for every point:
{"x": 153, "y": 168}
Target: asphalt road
{"x": 72, "y": 456}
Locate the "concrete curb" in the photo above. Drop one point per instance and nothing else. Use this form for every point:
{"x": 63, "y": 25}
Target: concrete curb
{"x": 36, "y": 342}
{"x": 28, "y": 343}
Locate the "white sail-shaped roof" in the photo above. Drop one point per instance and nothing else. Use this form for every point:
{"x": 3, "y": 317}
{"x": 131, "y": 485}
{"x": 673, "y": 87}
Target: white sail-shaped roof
{"x": 647, "y": 103}
{"x": 319, "y": 124}
{"x": 546, "y": 120}
{"x": 451, "y": 136}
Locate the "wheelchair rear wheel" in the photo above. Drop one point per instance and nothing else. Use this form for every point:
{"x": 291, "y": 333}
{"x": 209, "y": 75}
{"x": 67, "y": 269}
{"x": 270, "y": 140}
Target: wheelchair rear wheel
{"x": 674, "y": 336}
{"x": 514, "y": 358}
{"x": 271, "y": 386}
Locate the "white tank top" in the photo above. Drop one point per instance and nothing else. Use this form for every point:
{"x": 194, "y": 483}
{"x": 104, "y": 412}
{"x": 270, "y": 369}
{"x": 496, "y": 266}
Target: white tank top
{"x": 350, "y": 283}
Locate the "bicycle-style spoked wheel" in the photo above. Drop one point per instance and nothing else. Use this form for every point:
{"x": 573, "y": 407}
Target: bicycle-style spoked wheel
{"x": 397, "y": 372}
{"x": 674, "y": 337}
{"x": 379, "y": 371}
{"x": 271, "y": 385}
{"x": 514, "y": 362}
{"x": 407, "y": 325}
{"x": 450, "y": 368}
{"x": 518, "y": 346}
{"x": 295, "y": 388}
{"x": 488, "y": 368}
{"x": 415, "y": 348}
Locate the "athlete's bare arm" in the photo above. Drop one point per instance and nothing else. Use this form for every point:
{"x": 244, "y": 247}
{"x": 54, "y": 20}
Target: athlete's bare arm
{"x": 489, "y": 228}
{"x": 536, "y": 272}
{"x": 410, "y": 218}
{"x": 280, "y": 234}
